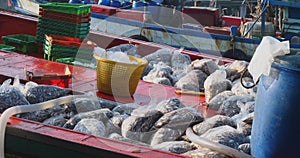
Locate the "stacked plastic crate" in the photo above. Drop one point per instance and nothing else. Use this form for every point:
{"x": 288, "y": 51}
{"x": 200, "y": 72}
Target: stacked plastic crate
{"x": 62, "y": 28}
{"x": 19, "y": 42}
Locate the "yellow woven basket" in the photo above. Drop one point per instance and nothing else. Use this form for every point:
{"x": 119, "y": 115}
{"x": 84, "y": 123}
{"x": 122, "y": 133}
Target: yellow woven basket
{"x": 119, "y": 79}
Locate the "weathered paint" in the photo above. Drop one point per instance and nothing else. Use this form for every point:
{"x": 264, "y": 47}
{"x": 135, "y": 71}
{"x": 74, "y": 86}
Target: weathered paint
{"x": 190, "y": 39}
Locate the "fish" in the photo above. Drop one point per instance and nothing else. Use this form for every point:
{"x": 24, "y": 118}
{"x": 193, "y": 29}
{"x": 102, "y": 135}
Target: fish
{"x": 114, "y": 124}
{"x": 180, "y": 61}
{"x": 230, "y": 106}
{"x": 225, "y": 135}
{"x": 244, "y": 128}
{"x": 164, "y": 135}
{"x": 147, "y": 69}
{"x": 125, "y": 109}
{"x": 119, "y": 137}
{"x": 248, "y": 118}
{"x": 162, "y": 55}
{"x": 85, "y": 104}
{"x": 160, "y": 70}
{"x": 238, "y": 89}
{"x": 10, "y": 97}
{"x": 239, "y": 117}
{"x": 177, "y": 147}
{"x": 104, "y": 103}
{"x": 217, "y": 100}
{"x": 59, "y": 120}
{"x": 169, "y": 105}
{"x": 38, "y": 116}
{"x": 111, "y": 128}
{"x": 193, "y": 80}
{"x": 42, "y": 115}
{"x": 178, "y": 74}
{"x": 91, "y": 126}
{"x": 215, "y": 84}
{"x": 180, "y": 119}
{"x": 43, "y": 93}
{"x": 207, "y": 66}
{"x": 235, "y": 69}
{"x": 248, "y": 107}
{"x": 212, "y": 122}
{"x": 90, "y": 104}
{"x": 245, "y": 148}
{"x": 138, "y": 127}
{"x": 179, "y": 64}
{"x": 162, "y": 80}
{"x": 244, "y": 122}
{"x": 100, "y": 115}
{"x": 117, "y": 120}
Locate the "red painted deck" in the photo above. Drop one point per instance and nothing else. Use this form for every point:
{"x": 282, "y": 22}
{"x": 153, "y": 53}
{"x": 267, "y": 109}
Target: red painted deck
{"x": 84, "y": 80}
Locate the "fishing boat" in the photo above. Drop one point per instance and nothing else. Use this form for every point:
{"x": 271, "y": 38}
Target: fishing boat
{"x": 203, "y": 33}
{"x": 199, "y": 29}
{"x": 65, "y": 142}
{"x": 26, "y": 138}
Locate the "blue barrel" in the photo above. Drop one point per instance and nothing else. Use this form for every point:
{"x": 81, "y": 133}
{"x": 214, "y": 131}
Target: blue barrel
{"x": 87, "y": 2}
{"x": 126, "y": 5}
{"x": 104, "y": 2}
{"x": 152, "y": 3}
{"x": 115, "y": 3}
{"x": 276, "y": 130}
{"x": 75, "y": 2}
{"x": 138, "y": 5}
{"x": 233, "y": 30}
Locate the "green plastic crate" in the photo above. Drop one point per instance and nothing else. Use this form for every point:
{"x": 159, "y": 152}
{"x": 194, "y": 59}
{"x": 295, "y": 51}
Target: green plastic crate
{"x": 71, "y": 60}
{"x": 72, "y": 32}
{"x": 22, "y": 42}
{"x": 43, "y": 32}
{"x": 54, "y": 51}
{"x": 62, "y": 33}
{"x": 66, "y": 60}
{"x": 7, "y": 47}
{"x": 66, "y": 29}
{"x": 58, "y": 55}
{"x": 60, "y": 23}
{"x": 57, "y": 27}
{"x": 57, "y": 47}
{"x": 68, "y": 49}
{"x": 67, "y": 8}
{"x": 53, "y": 55}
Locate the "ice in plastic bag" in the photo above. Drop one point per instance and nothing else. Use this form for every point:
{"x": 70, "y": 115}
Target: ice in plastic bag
{"x": 264, "y": 55}
{"x": 120, "y": 57}
{"x": 100, "y": 52}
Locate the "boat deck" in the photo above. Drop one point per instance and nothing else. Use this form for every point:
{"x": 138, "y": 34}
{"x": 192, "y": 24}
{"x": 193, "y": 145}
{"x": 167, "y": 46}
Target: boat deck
{"x": 84, "y": 80}
{"x": 20, "y": 132}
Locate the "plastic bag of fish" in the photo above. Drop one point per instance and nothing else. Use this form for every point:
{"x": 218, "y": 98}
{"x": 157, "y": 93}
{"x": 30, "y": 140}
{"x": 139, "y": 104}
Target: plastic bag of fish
{"x": 30, "y": 93}
{"x": 160, "y": 125}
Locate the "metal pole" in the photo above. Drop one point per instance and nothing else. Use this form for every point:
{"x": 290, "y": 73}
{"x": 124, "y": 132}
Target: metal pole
{"x": 263, "y": 11}
{"x": 263, "y": 22}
